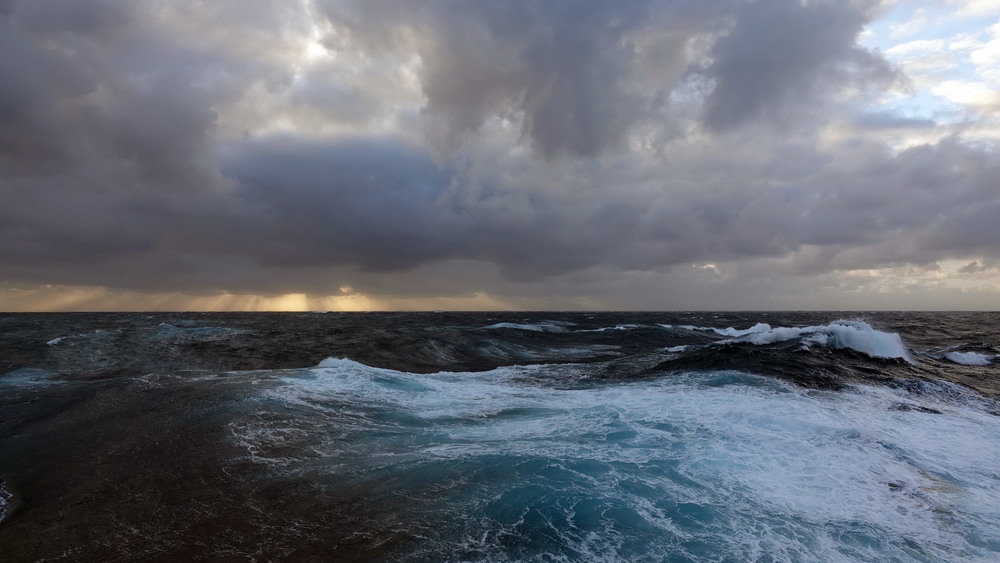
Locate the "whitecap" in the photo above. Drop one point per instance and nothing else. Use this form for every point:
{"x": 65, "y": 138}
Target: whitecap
{"x": 755, "y": 329}
{"x": 856, "y": 335}
{"x": 730, "y": 331}
{"x": 551, "y": 326}
{"x": 969, "y": 358}
{"x": 616, "y": 327}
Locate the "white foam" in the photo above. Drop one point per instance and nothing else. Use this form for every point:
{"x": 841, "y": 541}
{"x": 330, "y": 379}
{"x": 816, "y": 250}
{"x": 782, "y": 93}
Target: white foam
{"x": 856, "y": 335}
{"x": 730, "y": 331}
{"x": 780, "y": 470}
{"x": 5, "y": 501}
{"x": 549, "y": 326}
{"x": 342, "y": 363}
{"x": 443, "y": 394}
{"x": 617, "y": 327}
{"x": 55, "y": 341}
{"x": 755, "y": 329}
{"x": 969, "y": 358}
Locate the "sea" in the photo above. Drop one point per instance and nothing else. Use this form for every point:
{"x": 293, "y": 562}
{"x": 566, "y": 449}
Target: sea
{"x": 495, "y": 437}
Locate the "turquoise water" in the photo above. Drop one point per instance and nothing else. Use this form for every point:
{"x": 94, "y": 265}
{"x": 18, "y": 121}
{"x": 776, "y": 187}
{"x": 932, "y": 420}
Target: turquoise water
{"x": 533, "y": 462}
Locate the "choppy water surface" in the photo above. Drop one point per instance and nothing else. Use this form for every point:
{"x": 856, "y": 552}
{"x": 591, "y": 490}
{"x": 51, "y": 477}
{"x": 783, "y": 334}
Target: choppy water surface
{"x": 485, "y": 437}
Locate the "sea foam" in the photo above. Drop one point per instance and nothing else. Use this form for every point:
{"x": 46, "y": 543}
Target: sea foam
{"x": 969, "y": 358}
{"x": 710, "y": 466}
{"x": 856, "y": 335}
{"x": 550, "y": 326}
{"x": 6, "y": 498}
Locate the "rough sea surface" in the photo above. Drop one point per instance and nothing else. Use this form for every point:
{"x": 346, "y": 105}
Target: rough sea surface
{"x": 500, "y": 437}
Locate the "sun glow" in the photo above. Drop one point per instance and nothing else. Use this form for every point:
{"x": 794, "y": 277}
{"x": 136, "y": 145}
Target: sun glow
{"x": 60, "y": 298}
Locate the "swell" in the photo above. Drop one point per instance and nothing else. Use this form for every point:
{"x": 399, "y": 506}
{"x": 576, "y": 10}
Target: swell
{"x": 613, "y": 436}
{"x": 810, "y": 349}
{"x": 492, "y": 467}
{"x": 831, "y": 369}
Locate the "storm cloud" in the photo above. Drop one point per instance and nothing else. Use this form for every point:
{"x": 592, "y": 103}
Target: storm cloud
{"x": 441, "y": 147}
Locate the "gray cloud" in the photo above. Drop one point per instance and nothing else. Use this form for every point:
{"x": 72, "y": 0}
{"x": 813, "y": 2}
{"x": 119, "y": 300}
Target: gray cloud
{"x": 781, "y": 55}
{"x": 888, "y": 120}
{"x": 383, "y": 206}
{"x": 571, "y": 145}
{"x": 371, "y": 203}
{"x": 106, "y": 136}
{"x": 576, "y": 75}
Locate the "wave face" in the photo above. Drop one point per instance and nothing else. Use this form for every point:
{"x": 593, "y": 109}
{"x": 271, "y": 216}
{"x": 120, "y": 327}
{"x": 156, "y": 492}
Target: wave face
{"x": 476, "y": 437}
{"x": 854, "y": 335}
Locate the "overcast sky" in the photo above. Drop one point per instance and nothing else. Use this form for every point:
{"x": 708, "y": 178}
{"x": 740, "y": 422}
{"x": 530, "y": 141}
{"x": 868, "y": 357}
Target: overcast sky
{"x": 516, "y": 154}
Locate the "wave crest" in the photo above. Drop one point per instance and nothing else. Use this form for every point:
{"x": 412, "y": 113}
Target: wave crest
{"x": 855, "y": 335}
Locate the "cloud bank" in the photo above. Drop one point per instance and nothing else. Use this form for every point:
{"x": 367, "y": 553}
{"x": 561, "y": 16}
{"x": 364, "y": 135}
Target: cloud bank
{"x": 633, "y": 154}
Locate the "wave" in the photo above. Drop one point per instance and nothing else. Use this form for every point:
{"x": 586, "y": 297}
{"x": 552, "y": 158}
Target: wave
{"x": 490, "y": 351}
{"x": 755, "y": 329}
{"x": 349, "y": 364}
{"x": 815, "y": 353}
{"x": 801, "y": 355}
{"x": 844, "y": 334}
{"x": 186, "y": 331}
{"x": 553, "y": 373}
{"x": 26, "y": 377}
{"x": 6, "y": 501}
{"x": 616, "y": 327}
{"x": 713, "y": 466}
{"x": 855, "y": 335}
{"x": 547, "y": 326}
{"x": 969, "y": 358}
{"x": 966, "y": 355}
{"x": 425, "y": 437}
{"x": 163, "y": 332}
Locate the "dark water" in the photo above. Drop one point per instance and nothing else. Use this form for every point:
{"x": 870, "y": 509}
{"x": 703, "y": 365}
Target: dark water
{"x": 500, "y": 437}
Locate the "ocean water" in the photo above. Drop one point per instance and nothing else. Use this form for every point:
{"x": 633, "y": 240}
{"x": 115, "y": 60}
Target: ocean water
{"x": 500, "y": 437}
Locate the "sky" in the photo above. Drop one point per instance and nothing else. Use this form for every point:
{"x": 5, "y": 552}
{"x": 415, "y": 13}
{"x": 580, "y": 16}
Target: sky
{"x": 484, "y": 155}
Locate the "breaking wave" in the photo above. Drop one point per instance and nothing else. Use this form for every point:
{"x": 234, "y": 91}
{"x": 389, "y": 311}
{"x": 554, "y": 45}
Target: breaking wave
{"x": 856, "y": 335}
{"x": 969, "y": 358}
{"x": 496, "y": 466}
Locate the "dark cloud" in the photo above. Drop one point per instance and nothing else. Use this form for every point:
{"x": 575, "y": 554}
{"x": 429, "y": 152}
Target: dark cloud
{"x": 93, "y": 19}
{"x": 574, "y": 74}
{"x": 371, "y": 203}
{"x": 386, "y": 207}
{"x": 107, "y": 149}
{"x": 454, "y": 146}
{"x": 382, "y": 206}
{"x": 33, "y": 126}
{"x": 782, "y": 54}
